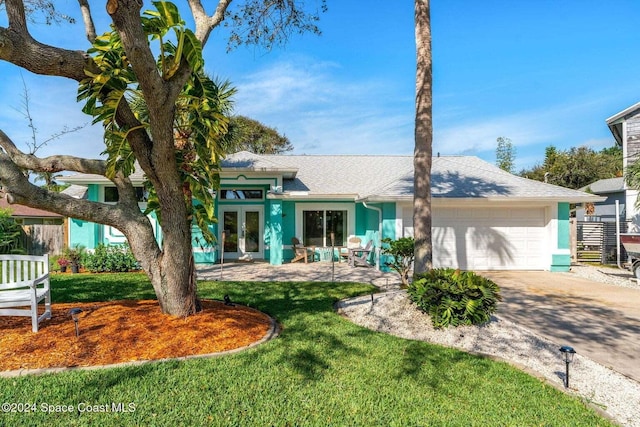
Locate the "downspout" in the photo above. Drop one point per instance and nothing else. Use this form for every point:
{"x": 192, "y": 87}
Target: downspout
{"x": 379, "y": 242}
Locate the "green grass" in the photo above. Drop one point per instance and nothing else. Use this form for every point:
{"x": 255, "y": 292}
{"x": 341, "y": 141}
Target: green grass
{"x": 321, "y": 371}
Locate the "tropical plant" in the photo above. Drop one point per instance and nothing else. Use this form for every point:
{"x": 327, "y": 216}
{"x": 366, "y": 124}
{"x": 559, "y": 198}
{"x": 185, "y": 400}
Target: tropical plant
{"x": 10, "y": 231}
{"x": 400, "y": 256}
{"x": 453, "y": 297}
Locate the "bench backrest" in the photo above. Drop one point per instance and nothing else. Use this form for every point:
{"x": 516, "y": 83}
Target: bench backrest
{"x": 17, "y": 271}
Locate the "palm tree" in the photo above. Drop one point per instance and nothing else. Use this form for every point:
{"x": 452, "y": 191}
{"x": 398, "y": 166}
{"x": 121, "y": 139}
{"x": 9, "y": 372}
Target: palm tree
{"x": 423, "y": 140}
{"x": 49, "y": 179}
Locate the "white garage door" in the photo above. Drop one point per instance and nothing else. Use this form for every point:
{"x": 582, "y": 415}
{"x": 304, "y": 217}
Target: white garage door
{"x": 489, "y": 238}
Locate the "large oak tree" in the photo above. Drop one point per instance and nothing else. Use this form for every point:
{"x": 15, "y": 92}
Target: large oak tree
{"x": 168, "y": 156}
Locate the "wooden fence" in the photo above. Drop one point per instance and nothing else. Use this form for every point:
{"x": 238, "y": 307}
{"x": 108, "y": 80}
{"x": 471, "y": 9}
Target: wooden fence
{"x": 40, "y": 239}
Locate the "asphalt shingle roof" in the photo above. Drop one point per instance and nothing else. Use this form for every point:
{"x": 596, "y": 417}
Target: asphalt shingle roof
{"x": 604, "y": 186}
{"x": 377, "y": 177}
{"x": 391, "y": 177}
{"x": 26, "y": 211}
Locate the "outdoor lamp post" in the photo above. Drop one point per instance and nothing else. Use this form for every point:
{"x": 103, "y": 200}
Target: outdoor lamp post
{"x": 568, "y": 353}
{"x": 333, "y": 265}
{"x": 75, "y": 315}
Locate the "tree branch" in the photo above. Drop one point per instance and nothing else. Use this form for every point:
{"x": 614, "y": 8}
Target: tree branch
{"x": 89, "y": 27}
{"x": 205, "y": 23}
{"x": 52, "y": 163}
{"x": 19, "y": 190}
{"x": 22, "y": 50}
{"x": 18, "y": 47}
{"x": 16, "y": 16}
{"x": 125, "y": 15}
{"x": 139, "y": 140}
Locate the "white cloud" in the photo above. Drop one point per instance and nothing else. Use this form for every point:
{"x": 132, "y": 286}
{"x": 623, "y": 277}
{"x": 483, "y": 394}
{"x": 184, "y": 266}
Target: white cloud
{"x": 525, "y": 128}
{"x": 306, "y": 101}
{"x": 323, "y": 112}
{"x": 598, "y": 143}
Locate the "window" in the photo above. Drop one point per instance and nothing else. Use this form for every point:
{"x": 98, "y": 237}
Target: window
{"x": 247, "y": 194}
{"x": 111, "y": 194}
{"x": 315, "y": 221}
{"x": 317, "y": 226}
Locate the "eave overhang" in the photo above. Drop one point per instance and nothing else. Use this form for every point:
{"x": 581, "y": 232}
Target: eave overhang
{"x": 480, "y": 200}
{"x": 306, "y": 195}
{"x": 285, "y": 173}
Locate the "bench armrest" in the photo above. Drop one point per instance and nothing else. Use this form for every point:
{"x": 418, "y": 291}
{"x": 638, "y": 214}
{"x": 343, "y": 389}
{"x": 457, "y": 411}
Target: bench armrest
{"x": 42, "y": 279}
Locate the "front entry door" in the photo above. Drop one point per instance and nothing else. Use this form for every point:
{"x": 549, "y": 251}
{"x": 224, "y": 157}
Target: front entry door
{"x": 244, "y": 229}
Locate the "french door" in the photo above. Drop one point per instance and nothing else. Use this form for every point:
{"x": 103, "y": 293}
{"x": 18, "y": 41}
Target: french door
{"x": 243, "y": 230}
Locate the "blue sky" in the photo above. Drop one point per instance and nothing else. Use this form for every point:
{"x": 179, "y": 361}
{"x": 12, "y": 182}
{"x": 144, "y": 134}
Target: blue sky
{"x": 541, "y": 73}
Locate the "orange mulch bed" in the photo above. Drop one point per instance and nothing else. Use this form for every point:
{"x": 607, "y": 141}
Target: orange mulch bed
{"x": 124, "y": 331}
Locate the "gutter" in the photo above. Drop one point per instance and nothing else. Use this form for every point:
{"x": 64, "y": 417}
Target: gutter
{"x": 443, "y": 200}
{"x": 379, "y": 243}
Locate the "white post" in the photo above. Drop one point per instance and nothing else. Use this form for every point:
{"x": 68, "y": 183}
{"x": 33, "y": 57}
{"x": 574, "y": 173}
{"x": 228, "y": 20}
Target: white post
{"x": 618, "y": 234}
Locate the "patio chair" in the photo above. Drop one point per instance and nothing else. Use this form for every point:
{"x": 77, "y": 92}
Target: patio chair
{"x": 358, "y": 256}
{"x": 353, "y": 242}
{"x": 301, "y": 252}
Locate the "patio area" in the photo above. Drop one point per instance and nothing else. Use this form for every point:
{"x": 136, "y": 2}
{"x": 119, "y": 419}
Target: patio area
{"x": 297, "y": 272}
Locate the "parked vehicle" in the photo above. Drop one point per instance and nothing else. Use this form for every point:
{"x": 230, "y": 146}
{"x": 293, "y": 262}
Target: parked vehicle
{"x": 631, "y": 243}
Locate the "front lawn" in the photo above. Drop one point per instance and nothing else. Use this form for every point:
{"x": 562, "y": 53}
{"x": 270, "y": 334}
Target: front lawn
{"x": 322, "y": 370}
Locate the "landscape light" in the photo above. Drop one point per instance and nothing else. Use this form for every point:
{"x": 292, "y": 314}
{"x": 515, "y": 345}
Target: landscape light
{"x": 568, "y": 353}
{"x": 75, "y": 315}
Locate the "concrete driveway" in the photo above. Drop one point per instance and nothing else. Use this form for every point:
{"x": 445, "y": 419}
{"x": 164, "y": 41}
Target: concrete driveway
{"x": 598, "y": 320}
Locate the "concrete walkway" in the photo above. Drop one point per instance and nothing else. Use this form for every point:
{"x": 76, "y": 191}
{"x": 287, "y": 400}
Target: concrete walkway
{"x": 600, "y": 321}
{"x": 297, "y": 272}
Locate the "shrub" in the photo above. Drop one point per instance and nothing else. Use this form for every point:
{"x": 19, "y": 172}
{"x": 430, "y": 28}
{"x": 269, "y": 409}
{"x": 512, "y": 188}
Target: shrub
{"x": 453, "y": 297}
{"x": 10, "y": 232}
{"x": 53, "y": 262}
{"x": 401, "y": 252}
{"x": 112, "y": 259}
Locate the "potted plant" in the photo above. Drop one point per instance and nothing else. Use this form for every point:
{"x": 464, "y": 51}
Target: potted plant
{"x": 63, "y": 263}
{"x": 74, "y": 255}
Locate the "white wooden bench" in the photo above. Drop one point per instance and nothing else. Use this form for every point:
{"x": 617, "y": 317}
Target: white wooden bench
{"x": 24, "y": 283}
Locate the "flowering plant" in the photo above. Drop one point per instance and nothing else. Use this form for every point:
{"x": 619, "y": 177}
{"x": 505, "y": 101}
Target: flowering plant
{"x": 63, "y": 262}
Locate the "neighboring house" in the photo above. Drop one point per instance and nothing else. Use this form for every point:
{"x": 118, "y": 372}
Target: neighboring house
{"x": 24, "y": 215}
{"x": 614, "y": 190}
{"x": 43, "y": 231}
{"x": 483, "y": 217}
{"x": 625, "y": 127}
